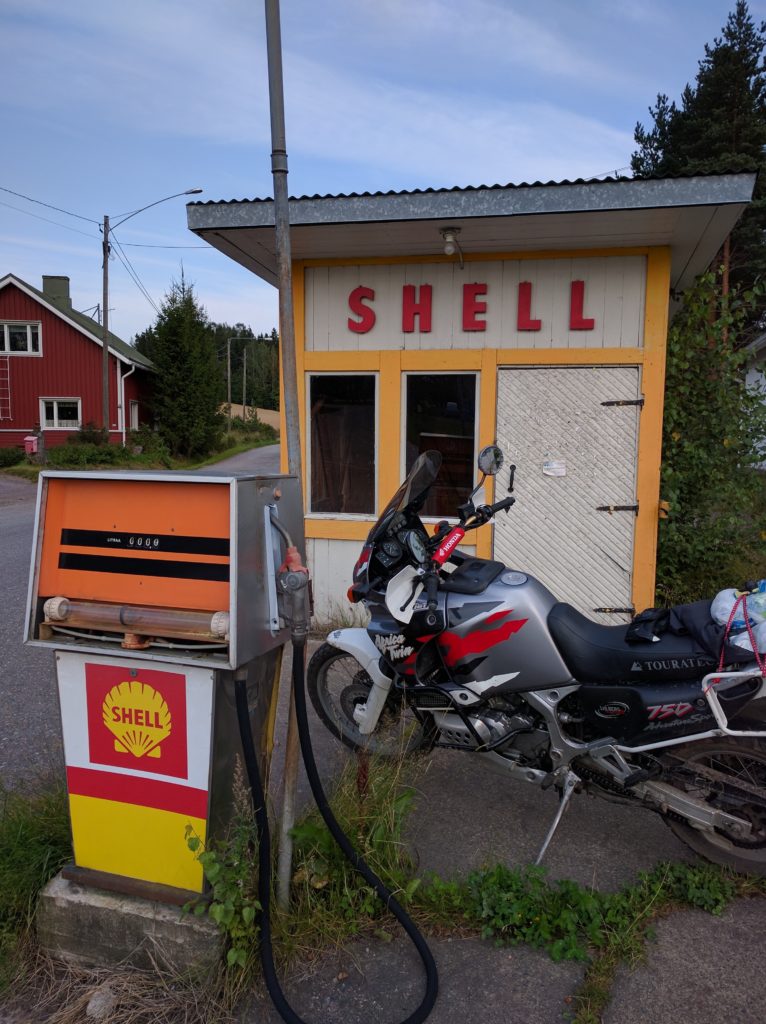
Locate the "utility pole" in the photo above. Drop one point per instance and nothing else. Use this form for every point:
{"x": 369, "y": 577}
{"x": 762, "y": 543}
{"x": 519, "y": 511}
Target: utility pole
{"x": 244, "y": 382}
{"x": 228, "y": 377}
{"x": 289, "y": 394}
{"x": 105, "y": 334}
{"x": 105, "y": 299}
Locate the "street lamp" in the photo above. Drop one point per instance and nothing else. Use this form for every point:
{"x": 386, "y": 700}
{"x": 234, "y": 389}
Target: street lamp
{"x": 105, "y": 297}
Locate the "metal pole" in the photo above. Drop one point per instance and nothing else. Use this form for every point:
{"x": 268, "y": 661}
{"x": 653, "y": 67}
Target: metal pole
{"x": 289, "y": 393}
{"x": 105, "y": 333}
{"x": 228, "y": 378}
{"x": 244, "y": 381}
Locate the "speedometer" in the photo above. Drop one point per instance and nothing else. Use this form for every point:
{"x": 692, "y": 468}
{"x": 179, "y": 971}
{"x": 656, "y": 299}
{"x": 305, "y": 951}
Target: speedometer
{"x": 416, "y": 546}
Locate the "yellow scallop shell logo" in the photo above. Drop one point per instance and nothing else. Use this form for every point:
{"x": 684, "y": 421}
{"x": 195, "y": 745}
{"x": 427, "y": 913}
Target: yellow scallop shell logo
{"x": 138, "y": 718}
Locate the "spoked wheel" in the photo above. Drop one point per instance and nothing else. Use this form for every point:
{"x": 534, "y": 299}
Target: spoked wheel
{"x": 729, "y": 773}
{"x": 336, "y": 684}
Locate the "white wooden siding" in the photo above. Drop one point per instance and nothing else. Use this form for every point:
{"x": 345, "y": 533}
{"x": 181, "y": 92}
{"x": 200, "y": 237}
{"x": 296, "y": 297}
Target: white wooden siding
{"x": 614, "y": 297}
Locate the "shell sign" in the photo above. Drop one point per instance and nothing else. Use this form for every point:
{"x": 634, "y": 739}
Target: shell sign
{"x": 137, "y": 722}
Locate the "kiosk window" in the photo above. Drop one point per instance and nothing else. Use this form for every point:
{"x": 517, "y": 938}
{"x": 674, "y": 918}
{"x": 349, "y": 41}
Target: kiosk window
{"x": 342, "y": 454}
{"x": 441, "y": 414}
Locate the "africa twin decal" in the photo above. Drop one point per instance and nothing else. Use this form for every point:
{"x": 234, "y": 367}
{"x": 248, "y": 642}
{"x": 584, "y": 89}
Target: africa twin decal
{"x": 454, "y": 648}
{"x": 394, "y": 647}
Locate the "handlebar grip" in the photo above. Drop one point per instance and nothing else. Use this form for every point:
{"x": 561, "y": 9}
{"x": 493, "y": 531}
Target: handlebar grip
{"x": 431, "y": 586}
{"x": 504, "y": 504}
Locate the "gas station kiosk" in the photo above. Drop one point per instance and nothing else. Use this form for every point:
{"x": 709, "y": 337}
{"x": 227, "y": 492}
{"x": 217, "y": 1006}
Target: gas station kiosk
{"x": 157, "y": 591}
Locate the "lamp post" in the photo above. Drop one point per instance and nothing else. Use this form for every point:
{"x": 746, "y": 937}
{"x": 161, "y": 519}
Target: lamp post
{"x": 105, "y": 300}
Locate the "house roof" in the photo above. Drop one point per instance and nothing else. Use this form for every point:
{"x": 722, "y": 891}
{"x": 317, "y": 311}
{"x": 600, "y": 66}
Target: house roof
{"x": 119, "y": 348}
{"x": 690, "y": 214}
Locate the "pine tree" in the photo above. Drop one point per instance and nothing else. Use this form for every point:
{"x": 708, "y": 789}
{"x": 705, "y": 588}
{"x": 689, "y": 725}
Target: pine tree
{"x": 719, "y": 127}
{"x": 188, "y": 382}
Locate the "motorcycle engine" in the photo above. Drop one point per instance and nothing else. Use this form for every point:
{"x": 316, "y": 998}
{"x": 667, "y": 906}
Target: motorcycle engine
{"x": 491, "y": 726}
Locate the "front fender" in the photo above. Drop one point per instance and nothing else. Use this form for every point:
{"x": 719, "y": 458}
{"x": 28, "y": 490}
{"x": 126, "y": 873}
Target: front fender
{"x": 358, "y": 644}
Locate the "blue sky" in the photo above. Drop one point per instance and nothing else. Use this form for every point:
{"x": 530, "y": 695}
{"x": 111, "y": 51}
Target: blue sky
{"x": 108, "y": 107}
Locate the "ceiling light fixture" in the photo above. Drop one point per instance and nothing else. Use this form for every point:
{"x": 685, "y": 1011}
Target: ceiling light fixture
{"x": 451, "y": 244}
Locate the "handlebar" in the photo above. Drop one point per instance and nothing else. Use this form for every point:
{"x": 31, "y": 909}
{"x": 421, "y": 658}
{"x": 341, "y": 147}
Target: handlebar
{"x": 431, "y": 587}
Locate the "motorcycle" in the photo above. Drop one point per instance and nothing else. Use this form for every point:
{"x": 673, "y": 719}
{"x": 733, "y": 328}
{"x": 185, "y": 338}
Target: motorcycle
{"x": 467, "y": 653}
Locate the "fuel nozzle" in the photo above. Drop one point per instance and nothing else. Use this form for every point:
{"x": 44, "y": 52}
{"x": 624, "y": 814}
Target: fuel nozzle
{"x": 293, "y": 587}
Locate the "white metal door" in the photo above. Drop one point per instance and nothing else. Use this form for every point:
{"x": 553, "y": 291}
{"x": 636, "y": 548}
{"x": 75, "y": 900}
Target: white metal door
{"x": 572, "y": 433}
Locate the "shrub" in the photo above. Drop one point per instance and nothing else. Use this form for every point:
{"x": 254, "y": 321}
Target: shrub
{"x": 10, "y": 456}
{"x": 73, "y": 455}
{"x": 89, "y": 433}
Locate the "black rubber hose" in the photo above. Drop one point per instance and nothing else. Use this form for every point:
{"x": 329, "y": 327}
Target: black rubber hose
{"x": 264, "y": 851}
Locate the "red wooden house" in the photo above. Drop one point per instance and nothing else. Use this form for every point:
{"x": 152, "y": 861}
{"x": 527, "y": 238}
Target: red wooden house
{"x": 51, "y": 368}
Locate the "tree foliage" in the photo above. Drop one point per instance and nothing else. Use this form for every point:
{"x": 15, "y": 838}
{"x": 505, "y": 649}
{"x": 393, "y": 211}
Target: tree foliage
{"x": 712, "y": 428}
{"x": 187, "y": 384}
{"x": 720, "y": 126}
{"x": 254, "y": 364}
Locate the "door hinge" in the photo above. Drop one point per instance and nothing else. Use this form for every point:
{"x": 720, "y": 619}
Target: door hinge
{"x": 627, "y": 401}
{"x": 617, "y": 508}
{"x": 616, "y": 611}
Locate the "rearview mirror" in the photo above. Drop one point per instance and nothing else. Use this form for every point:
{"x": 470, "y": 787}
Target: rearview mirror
{"x": 490, "y": 460}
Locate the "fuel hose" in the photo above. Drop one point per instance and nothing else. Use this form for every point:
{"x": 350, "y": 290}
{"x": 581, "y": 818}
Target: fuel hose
{"x": 264, "y": 850}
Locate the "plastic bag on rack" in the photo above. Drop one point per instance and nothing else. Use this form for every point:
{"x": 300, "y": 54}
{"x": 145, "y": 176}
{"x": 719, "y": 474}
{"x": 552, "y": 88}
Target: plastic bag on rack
{"x": 759, "y": 636}
{"x": 724, "y": 601}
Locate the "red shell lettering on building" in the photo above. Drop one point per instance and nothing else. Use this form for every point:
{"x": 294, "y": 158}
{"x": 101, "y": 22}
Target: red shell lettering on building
{"x": 417, "y": 308}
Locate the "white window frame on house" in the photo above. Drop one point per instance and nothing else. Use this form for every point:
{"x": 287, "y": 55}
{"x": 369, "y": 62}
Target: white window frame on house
{"x": 133, "y": 415}
{"x": 5, "y": 344}
{"x": 476, "y": 374}
{"x": 359, "y": 516}
{"x": 67, "y": 424}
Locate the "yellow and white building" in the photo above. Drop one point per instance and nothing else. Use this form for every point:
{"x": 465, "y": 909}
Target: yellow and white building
{"x": 531, "y": 315}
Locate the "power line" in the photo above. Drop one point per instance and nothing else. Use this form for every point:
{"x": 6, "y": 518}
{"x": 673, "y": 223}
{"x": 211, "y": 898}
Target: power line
{"x": 49, "y": 205}
{"x": 47, "y": 220}
{"x": 122, "y": 256}
{"x": 146, "y": 245}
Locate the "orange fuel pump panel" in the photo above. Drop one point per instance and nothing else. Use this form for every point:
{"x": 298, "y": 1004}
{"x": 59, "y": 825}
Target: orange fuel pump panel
{"x": 149, "y": 542}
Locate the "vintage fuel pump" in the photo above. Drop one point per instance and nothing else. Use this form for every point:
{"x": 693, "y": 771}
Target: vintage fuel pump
{"x": 168, "y": 599}
{"x": 157, "y": 591}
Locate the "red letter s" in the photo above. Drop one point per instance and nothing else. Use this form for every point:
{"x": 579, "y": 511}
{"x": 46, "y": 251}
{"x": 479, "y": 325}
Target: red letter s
{"x": 366, "y": 315}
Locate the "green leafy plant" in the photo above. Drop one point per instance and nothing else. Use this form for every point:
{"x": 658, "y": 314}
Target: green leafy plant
{"x": 714, "y": 533}
{"x": 35, "y": 841}
{"x": 10, "y": 457}
{"x": 231, "y": 870}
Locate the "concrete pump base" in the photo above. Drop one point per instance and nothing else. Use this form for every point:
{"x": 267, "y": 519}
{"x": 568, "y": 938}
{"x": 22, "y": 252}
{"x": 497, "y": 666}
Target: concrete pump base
{"x": 94, "y": 928}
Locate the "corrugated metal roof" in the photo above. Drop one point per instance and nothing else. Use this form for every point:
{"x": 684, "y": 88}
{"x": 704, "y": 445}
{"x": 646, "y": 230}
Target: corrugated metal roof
{"x": 85, "y": 324}
{"x": 605, "y": 179}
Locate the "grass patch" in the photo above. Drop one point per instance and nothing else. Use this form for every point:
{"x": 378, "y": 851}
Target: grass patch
{"x": 35, "y": 841}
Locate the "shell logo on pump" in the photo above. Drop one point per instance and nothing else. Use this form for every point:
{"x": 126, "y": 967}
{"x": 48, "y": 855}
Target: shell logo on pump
{"x": 139, "y": 722}
{"x": 138, "y": 717}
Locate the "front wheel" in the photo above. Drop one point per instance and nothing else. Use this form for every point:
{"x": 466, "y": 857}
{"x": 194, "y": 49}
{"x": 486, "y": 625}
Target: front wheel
{"x": 336, "y": 684}
{"x": 728, "y": 773}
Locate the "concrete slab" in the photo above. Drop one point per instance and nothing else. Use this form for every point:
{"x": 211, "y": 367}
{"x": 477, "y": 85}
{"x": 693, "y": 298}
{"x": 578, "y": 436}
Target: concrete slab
{"x": 382, "y": 982}
{"x": 701, "y": 970}
{"x": 100, "y": 929}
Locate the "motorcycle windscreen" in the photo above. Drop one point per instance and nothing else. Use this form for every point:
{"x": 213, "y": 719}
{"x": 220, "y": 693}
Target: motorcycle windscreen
{"x": 412, "y": 493}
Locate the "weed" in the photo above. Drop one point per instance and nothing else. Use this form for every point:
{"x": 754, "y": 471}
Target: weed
{"x": 34, "y": 843}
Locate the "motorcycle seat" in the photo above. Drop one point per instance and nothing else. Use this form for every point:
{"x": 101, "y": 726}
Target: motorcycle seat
{"x": 600, "y": 654}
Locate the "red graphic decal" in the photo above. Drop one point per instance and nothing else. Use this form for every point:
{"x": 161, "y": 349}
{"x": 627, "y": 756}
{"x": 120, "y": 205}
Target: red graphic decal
{"x": 137, "y": 719}
{"x": 659, "y": 712}
{"x": 454, "y": 648}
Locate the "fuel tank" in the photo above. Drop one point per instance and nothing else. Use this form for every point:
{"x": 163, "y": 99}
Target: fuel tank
{"x": 497, "y": 641}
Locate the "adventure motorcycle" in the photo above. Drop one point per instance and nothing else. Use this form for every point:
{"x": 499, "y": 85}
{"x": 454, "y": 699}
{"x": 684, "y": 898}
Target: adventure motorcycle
{"x": 463, "y": 652}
